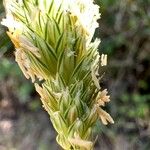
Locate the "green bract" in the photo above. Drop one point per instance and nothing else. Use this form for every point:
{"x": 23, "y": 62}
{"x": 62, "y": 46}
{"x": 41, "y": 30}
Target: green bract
{"x": 53, "y": 47}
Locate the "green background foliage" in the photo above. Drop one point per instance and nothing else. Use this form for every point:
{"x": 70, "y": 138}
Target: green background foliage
{"x": 124, "y": 29}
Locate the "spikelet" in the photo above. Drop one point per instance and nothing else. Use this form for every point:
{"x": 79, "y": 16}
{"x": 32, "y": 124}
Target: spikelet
{"x": 53, "y": 41}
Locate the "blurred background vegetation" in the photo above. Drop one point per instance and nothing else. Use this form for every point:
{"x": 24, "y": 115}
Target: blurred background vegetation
{"x": 124, "y": 29}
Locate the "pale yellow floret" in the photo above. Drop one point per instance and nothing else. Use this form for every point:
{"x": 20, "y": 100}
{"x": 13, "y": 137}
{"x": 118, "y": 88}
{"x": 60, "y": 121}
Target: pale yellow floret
{"x": 103, "y": 60}
{"x": 102, "y": 98}
{"x": 104, "y": 116}
{"x": 19, "y": 58}
{"x": 27, "y": 45}
{"x": 95, "y": 79}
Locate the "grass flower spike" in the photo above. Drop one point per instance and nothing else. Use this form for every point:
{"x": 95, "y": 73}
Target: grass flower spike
{"x": 53, "y": 41}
